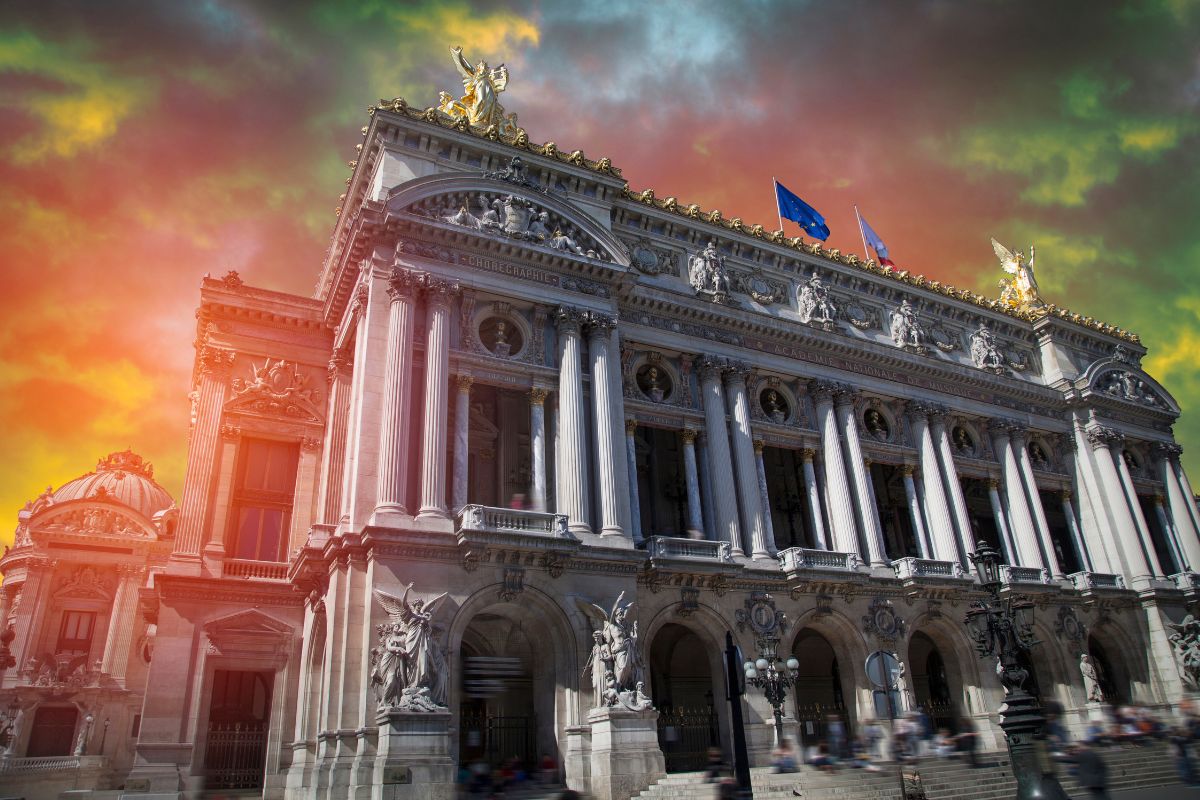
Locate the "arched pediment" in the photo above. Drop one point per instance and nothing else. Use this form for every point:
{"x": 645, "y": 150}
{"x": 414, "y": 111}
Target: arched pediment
{"x": 1125, "y": 382}
{"x": 488, "y": 205}
{"x": 95, "y": 517}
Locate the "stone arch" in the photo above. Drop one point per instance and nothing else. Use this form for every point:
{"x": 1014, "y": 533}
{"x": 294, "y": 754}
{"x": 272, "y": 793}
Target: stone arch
{"x": 1056, "y": 676}
{"x": 549, "y": 645}
{"x": 849, "y": 649}
{"x": 955, "y": 691}
{"x": 1127, "y": 664}
{"x": 1101, "y": 372}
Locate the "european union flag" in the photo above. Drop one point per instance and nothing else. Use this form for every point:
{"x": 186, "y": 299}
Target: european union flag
{"x": 793, "y": 208}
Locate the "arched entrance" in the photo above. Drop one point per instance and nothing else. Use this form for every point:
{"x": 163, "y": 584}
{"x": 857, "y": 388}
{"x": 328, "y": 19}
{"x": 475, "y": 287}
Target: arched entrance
{"x": 682, "y": 685}
{"x": 1114, "y": 678}
{"x": 507, "y": 688}
{"x": 819, "y": 689}
{"x": 931, "y": 682}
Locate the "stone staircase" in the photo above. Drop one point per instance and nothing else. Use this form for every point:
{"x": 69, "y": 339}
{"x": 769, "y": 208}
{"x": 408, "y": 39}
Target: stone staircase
{"x": 942, "y": 779}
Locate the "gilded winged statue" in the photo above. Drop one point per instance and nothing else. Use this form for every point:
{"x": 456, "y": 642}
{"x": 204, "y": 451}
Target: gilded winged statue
{"x": 479, "y": 104}
{"x": 1021, "y": 290}
{"x": 409, "y": 670}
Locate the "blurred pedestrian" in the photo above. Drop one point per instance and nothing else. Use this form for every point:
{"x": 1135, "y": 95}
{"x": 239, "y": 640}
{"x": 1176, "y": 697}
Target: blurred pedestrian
{"x": 1091, "y": 771}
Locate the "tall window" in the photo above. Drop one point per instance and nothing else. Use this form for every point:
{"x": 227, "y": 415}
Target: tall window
{"x": 75, "y": 633}
{"x": 264, "y": 490}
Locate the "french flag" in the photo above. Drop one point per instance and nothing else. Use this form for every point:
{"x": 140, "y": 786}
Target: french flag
{"x": 871, "y": 239}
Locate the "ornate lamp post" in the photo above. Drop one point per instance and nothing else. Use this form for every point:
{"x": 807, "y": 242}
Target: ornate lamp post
{"x": 766, "y": 675}
{"x": 1002, "y": 628}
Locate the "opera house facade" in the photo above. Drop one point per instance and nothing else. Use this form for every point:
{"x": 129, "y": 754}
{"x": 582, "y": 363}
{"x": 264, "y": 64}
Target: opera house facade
{"x": 536, "y": 442}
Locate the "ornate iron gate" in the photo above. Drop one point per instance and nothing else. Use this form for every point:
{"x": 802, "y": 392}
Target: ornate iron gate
{"x": 685, "y": 736}
{"x": 501, "y": 738}
{"x": 236, "y": 755}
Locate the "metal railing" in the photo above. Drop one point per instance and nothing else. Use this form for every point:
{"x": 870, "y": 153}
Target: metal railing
{"x": 236, "y": 755}
{"x": 255, "y": 570}
{"x": 678, "y": 547}
{"x": 927, "y": 568}
{"x": 685, "y": 735}
{"x": 491, "y": 519}
{"x": 796, "y": 558}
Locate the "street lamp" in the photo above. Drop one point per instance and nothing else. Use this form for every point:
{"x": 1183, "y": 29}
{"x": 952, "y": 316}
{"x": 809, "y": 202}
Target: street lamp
{"x": 774, "y": 679}
{"x": 1003, "y": 628}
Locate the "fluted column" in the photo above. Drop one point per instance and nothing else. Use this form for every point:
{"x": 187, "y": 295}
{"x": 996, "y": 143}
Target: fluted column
{"x": 537, "y": 444}
{"x": 1103, "y": 440}
{"x": 1085, "y": 560}
{"x": 1186, "y": 486}
{"x": 914, "y": 511}
{"x": 397, "y": 393}
{"x": 1117, "y": 449}
{"x": 1185, "y": 528}
{"x": 691, "y": 476}
{"x": 334, "y": 464}
{"x": 1024, "y": 536}
{"x": 725, "y": 505}
{"x": 215, "y": 364}
{"x": 706, "y": 488}
{"x": 571, "y": 458}
{"x": 1006, "y": 539}
{"x": 816, "y": 514}
{"x": 837, "y": 489}
{"x": 743, "y": 457}
{"x": 1164, "y": 523}
{"x": 764, "y": 496}
{"x": 462, "y": 444}
{"x": 599, "y": 329}
{"x": 958, "y": 504}
{"x": 439, "y": 294}
{"x": 941, "y": 527}
{"x": 1035, "y": 502}
{"x": 635, "y": 501}
{"x": 867, "y": 518}
{"x": 121, "y": 623}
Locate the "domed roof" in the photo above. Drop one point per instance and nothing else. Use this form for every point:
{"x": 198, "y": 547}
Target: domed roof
{"x": 124, "y": 477}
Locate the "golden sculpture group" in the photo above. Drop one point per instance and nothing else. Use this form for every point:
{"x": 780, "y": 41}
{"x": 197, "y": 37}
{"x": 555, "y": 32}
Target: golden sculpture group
{"x": 479, "y": 105}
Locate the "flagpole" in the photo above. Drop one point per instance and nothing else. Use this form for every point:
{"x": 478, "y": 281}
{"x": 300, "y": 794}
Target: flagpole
{"x": 866, "y": 253}
{"x": 774, "y": 185}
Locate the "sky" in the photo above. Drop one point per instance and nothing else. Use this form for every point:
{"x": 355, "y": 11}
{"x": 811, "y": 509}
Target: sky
{"x": 145, "y": 144}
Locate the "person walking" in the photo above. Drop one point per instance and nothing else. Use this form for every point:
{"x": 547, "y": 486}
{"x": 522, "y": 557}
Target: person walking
{"x": 1092, "y": 771}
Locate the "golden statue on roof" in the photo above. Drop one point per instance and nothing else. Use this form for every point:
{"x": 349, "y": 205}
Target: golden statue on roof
{"x": 479, "y": 105}
{"x": 1021, "y": 290}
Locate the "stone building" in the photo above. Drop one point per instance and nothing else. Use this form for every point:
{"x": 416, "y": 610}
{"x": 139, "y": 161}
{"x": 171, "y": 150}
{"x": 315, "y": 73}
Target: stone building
{"x": 522, "y": 397}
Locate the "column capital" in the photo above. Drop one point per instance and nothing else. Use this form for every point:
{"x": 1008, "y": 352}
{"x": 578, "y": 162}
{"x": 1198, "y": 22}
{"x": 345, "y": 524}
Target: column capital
{"x": 736, "y": 372}
{"x": 808, "y": 454}
{"x": 568, "y": 319}
{"x": 1101, "y": 438}
{"x": 823, "y": 391}
{"x": 230, "y": 432}
{"x": 1159, "y": 499}
{"x": 921, "y": 410}
{"x": 1168, "y": 450}
{"x": 630, "y": 426}
{"x": 215, "y": 360}
{"x": 688, "y": 435}
{"x": 464, "y": 383}
{"x": 758, "y": 447}
{"x": 598, "y": 325}
{"x": 403, "y": 284}
{"x": 844, "y": 395}
{"x": 439, "y": 291}
{"x": 710, "y": 367}
{"x": 1066, "y": 495}
{"x": 907, "y": 470}
{"x": 537, "y": 396}
{"x": 362, "y": 293}
{"x": 993, "y": 483}
{"x": 867, "y": 462}
{"x": 339, "y": 365}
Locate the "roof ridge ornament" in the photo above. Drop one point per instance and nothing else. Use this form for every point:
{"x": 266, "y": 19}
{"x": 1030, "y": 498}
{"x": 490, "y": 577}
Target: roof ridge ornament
{"x": 1020, "y": 292}
{"x": 126, "y": 461}
{"x": 479, "y": 104}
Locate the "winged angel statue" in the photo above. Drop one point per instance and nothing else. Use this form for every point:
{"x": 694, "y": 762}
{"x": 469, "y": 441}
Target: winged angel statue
{"x": 479, "y": 104}
{"x": 616, "y": 660}
{"x": 1021, "y": 290}
{"x": 408, "y": 670}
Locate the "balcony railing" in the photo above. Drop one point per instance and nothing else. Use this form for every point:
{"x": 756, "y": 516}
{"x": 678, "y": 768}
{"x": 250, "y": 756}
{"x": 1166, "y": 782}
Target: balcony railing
{"x": 1010, "y": 574}
{"x": 255, "y": 570}
{"x": 907, "y": 568}
{"x": 693, "y": 549}
{"x": 490, "y": 519}
{"x": 1187, "y": 581}
{"x": 33, "y": 766}
{"x": 797, "y": 558}
{"x": 1096, "y": 580}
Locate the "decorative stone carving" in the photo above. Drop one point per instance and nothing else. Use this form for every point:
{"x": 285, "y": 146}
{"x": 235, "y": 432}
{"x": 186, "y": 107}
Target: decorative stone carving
{"x": 276, "y": 389}
{"x": 985, "y": 351}
{"x": 651, "y": 260}
{"x": 774, "y": 405}
{"x": 761, "y": 289}
{"x": 1124, "y": 385}
{"x": 615, "y": 662}
{"x": 1091, "y": 679}
{"x": 907, "y": 331}
{"x": 1124, "y": 355}
{"x": 761, "y": 616}
{"x": 500, "y": 337}
{"x": 943, "y": 338}
{"x": 707, "y": 275}
{"x": 515, "y": 173}
{"x": 62, "y": 671}
{"x": 882, "y": 621}
{"x": 875, "y": 425}
{"x": 99, "y": 520}
{"x": 1038, "y": 459}
{"x": 964, "y": 444}
{"x": 689, "y": 601}
{"x": 232, "y": 280}
{"x": 408, "y": 669}
{"x": 513, "y": 585}
{"x": 815, "y": 306}
{"x": 860, "y": 316}
{"x": 1068, "y": 627}
{"x": 1185, "y": 639}
{"x": 653, "y": 382}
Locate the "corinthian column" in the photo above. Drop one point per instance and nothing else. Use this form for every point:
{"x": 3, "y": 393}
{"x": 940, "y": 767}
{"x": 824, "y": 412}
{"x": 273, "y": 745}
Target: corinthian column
{"x": 1185, "y": 527}
{"x": 635, "y": 503}
{"x": 958, "y": 504}
{"x": 599, "y": 330}
{"x": 764, "y": 497}
{"x": 1006, "y": 540}
{"x": 330, "y": 499}
{"x": 1024, "y": 535}
{"x": 1116, "y": 447}
{"x": 941, "y": 527}
{"x": 1035, "y": 502}
{"x": 837, "y": 490}
{"x": 914, "y": 511}
{"x": 691, "y": 476}
{"x": 537, "y": 444}
{"x": 743, "y": 458}
{"x": 214, "y": 366}
{"x": 814, "y": 498}
{"x": 121, "y": 623}
{"x": 1106, "y": 445}
{"x": 1085, "y": 560}
{"x": 439, "y": 294}
{"x": 725, "y": 506}
{"x": 462, "y": 428}
{"x": 570, "y": 461}
{"x": 397, "y": 391}
{"x": 1164, "y": 523}
{"x": 862, "y": 485}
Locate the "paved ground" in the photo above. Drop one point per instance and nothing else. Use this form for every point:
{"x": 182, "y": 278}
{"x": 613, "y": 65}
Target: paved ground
{"x": 1161, "y": 793}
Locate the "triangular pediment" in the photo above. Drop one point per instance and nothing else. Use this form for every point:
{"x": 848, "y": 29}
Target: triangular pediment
{"x": 250, "y": 621}
{"x": 276, "y": 389}
{"x": 250, "y": 634}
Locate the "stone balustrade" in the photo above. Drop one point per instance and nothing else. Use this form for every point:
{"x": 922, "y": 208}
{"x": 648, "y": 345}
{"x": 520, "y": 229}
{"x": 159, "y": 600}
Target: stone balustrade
{"x": 917, "y": 568}
{"x": 803, "y": 558}
{"x": 1186, "y": 581}
{"x": 255, "y": 570}
{"x": 489, "y": 519}
{"x": 1010, "y": 574}
{"x": 690, "y": 549}
{"x": 32, "y": 766}
{"x": 1084, "y": 581}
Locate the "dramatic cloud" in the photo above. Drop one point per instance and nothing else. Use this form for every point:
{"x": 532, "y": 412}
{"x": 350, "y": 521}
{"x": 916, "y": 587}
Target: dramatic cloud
{"x": 144, "y": 144}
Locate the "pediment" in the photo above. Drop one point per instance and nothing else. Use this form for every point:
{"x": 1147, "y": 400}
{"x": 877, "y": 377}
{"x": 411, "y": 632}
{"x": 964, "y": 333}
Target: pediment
{"x": 1128, "y": 384}
{"x": 85, "y": 583}
{"x": 276, "y": 389}
{"x": 250, "y": 622}
{"x": 93, "y": 517}
{"x": 249, "y": 634}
